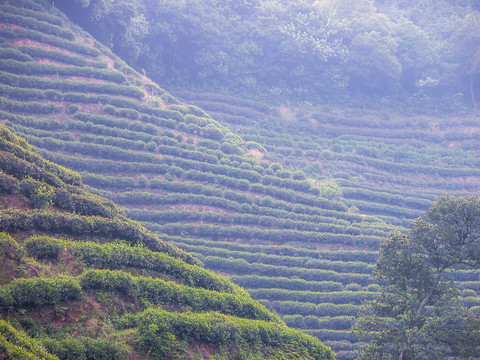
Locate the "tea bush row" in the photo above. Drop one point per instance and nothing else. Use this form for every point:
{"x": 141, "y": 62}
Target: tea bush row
{"x": 158, "y": 291}
{"x": 334, "y": 255}
{"x": 217, "y": 329}
{"x": 36, "y": 68}
{"x": 35, "y": 292}
{"x": 314, "y": 322}
{"x": 13, "y": 163}
{"x": 14, "y": 220}
{"x": 241, "y": 266}
{"x": 248, "y": 232}
{"x": 41, "y": 26}
{"x": 35, "y": 82}
{"x": 122, "y": 256}
{"x": 24, "y": 33}
{"x": 256, "y": 281}
{"x": 16, "y": 344}
{"x": 335, "y": 297}
{"x": 284, "y": 260}
{"x": 289, "y": 307}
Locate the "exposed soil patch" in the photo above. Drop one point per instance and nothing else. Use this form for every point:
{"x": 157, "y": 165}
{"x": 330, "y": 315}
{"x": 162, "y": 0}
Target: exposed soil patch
{"x": 14, "y": 201}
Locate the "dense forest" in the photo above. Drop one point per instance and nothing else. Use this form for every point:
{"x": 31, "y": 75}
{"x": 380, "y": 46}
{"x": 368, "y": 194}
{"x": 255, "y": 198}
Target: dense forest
{"x": 310, "y": 50}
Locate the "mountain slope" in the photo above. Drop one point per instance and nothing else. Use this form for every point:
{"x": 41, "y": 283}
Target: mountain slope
{"x": 387, "y": 165}
{"x": 88, "y": 283}
{"x": 170, "y": 165}
{"x": 299, "y": 250}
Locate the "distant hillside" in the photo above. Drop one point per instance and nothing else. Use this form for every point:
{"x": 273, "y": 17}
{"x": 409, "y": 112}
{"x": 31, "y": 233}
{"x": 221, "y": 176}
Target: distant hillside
{"x": 87, "y": 283}
{"x": 297, "y": 247}
{"x": 386, "y": 165}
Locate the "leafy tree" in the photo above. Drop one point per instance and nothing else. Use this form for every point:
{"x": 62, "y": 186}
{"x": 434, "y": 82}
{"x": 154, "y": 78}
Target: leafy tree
{"x": 467, "y": 40}
{"x": 419, "y": 314}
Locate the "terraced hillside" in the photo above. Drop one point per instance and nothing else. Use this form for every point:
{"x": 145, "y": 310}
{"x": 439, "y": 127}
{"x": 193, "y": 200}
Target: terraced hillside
{"x": 299, "y": 250}
{"x": 170, "y": 165}
{"x": 388, "y": 166}
{"x": 87, "y": 283}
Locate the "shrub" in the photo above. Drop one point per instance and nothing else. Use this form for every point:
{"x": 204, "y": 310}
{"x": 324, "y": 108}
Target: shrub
{"x": 71, "y": 109}
{"x": 121, "y": 255}
{"x": 216, "y": 329}
{"x": 36, "y": 292}
{"x": 158, "y": 291}
{"x": 353, "y": 287}
{"x": 42, "y": 197}
{"x": 16, "y": 344}
{"x": 43, "y": 247}
{"x": 9, "y": 248}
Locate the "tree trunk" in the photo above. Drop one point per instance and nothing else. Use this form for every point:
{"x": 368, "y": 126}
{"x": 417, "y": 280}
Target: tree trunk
{"x": 428, "y": 296}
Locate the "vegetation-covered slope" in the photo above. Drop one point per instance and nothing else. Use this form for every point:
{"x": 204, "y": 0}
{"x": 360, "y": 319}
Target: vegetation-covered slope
{"x": 87, "y": 283}
{"x": 415, "y": 51}
{"x": 170, "y": 165}
{"x": 188, "y": 178}
{"x": 386, "y": 165}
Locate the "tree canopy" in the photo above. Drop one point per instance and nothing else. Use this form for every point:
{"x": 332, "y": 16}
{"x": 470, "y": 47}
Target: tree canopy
{"x": 306, "y": 49}
{"x": 418, "y": 314}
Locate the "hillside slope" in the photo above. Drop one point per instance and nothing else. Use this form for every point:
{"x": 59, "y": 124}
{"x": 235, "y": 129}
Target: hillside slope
{"x": 181, "y": 173}
{"x": 300, "y": 251}
{"x": 387, "y": 165}
{"x": 87, "y": 283}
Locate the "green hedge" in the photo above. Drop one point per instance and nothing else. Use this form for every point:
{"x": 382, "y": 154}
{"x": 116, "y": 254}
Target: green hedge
{"x": 99, "y": 181}
{"x": 32, "y": 122}
{"x": 16, "y": 344}
{"x": 158, "y": 291}
{"x": 369, "y": 257}
{"x": 36, "y": 292}
{"x": 37, "y": 25}
{"x": 255, "y": 281}
{"x": 31, "y": 107}
{"x": 69, "y": 85}
{"x": 240, "y": 266}
{"x": 217, "y": 329}
{"x": 288, "y": 261}
{"x": 38, "y": 15}
{"x": 85, "y": 348}
{"x": 20, "y": 68}
{"x": 45, "y": 170}
{"x": 23, "y": 33}
{"x": 315, "y": 322}
{"x": 333, "y": 335}
{"x": 122, "y": 256}
{"x": 305, "y": 308}
{"x": 14, "y": 220}
{"x": 246, "y": 232}
{"x": 335, "y": 297}
{"x": 11, "y": 53}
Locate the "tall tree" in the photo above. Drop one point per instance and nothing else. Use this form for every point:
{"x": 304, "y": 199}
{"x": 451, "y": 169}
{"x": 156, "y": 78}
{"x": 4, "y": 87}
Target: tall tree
{"x": 419, "y": 314}
{"x": 467, "y": 43}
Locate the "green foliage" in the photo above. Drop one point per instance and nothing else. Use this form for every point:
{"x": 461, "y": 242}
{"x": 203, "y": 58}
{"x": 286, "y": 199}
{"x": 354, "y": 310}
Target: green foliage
{"x": 158, "y": 291}
{"x": 35, "y": 292}
{"x": 10, "y": 249}
{"x": 37, "y": 82}
{"x": 42, "y": 197}
{"x": 15, "y": 344}
{"x": 414, "y": 266}
{"x": 71, "y": 224}
{"x": 37, "y": 25}
{"x": 217, "y": 329}
{"x": 122, "y": 256}
{"x": 156, "y": 340}
{"x": 84, "y": 348}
